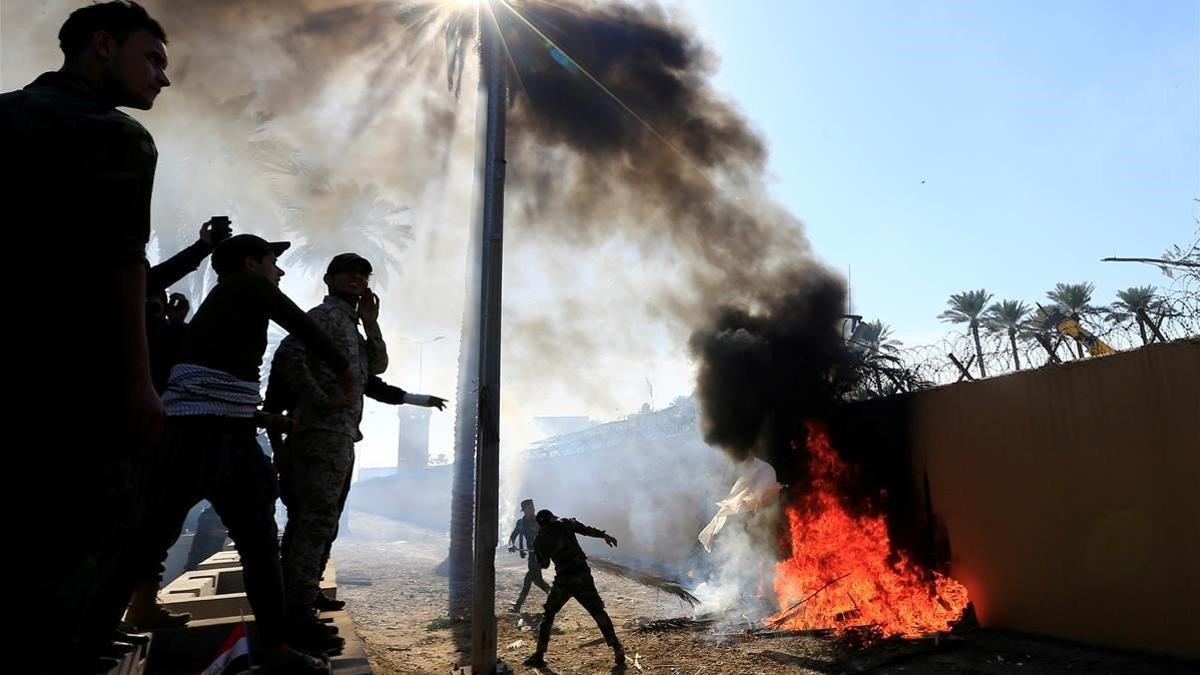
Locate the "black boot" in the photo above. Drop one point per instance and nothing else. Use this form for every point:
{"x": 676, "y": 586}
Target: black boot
{"x": 325, "y": 603}
{"x": 307, "y": 634}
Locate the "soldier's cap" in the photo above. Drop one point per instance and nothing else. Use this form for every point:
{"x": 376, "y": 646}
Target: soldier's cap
{"x": 526, "y": 502}
{"x": 345, "y": 262}
{"x": 544, "y": 516}
{"x": 228, "y": 256}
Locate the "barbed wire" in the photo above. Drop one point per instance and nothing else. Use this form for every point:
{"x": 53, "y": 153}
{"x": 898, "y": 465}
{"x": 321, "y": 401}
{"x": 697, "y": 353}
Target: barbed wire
{"x": 882, "y": 369}
{"x": 934, "y": 363}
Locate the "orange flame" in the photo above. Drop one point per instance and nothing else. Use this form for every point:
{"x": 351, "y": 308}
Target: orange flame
{"x": 842, "y": 573}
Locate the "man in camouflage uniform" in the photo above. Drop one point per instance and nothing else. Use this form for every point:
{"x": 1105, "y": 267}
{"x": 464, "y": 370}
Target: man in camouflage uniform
{"x": 324, "y": 427}
{"x": 556, "y": 543}
{"x": 523, "y": 535}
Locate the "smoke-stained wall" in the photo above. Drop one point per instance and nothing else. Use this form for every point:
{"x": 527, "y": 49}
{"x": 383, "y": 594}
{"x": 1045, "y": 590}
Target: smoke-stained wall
{"x": 1069, "y": 495}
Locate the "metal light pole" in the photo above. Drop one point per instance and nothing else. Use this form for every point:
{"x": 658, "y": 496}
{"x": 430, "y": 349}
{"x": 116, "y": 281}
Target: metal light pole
{"x": 487, "y": 457}
{"x": 421, "y": 355}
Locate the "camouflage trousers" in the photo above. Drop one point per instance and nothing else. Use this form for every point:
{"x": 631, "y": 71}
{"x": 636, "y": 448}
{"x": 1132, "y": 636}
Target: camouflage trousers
{"x": 583, "y": 589}
{"x": 312, "y": 482}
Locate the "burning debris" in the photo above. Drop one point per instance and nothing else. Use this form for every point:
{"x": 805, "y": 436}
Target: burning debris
{"x": 765, "y": 370}
{"x": 842, "y": 571}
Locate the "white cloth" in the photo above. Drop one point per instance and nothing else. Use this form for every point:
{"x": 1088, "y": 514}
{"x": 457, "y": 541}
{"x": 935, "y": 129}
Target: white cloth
{"x": 754, "y": 489}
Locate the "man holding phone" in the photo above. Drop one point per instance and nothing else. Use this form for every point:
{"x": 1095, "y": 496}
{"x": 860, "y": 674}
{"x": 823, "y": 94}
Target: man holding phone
{"x": 320, "y": 447}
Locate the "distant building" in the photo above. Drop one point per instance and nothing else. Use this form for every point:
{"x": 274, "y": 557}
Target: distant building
{"x": 676, "y": 422}
{"x": 413, "y": 450}
{"x": 561, "y": 425}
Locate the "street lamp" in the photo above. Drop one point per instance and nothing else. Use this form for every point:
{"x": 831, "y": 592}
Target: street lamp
{"x": 421, "y": 354}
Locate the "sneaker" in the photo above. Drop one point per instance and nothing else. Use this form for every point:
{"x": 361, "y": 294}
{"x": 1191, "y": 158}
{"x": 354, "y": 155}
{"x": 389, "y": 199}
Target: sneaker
{"x": 324, "y": 603}
{"x": 536, "y": 661}
{"x": 154, "y": 617}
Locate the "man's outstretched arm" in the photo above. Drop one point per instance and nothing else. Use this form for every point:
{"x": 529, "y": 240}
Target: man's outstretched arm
{"x": 588, "y": 531}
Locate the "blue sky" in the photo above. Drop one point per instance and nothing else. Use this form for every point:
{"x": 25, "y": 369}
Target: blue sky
{"x": 1049, "y": 135}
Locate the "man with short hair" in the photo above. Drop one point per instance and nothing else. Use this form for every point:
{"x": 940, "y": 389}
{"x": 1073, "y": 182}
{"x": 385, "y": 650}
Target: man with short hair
{"x": 521, "y": 540}
{"x": 556, "y": 543}
{"x": 77, "y": 193}
{"x": 324, "y": 428}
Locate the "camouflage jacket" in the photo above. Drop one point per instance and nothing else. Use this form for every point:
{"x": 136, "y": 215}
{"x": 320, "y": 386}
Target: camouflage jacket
{"x": 311, "y": 380}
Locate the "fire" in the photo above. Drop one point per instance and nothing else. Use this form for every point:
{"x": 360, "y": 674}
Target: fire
{"x": 842, "y": 572}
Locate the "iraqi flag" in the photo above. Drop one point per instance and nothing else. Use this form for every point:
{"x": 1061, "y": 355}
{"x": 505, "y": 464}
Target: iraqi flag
{"x": 235, "y": 654}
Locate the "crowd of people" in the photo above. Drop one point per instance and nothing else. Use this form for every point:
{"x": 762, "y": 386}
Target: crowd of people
{"x": 137, "y": 413}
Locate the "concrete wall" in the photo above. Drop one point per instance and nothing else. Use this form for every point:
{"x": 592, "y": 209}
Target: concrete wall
{"x": 420, "y": 496}
{"x": 1071, "y": 496}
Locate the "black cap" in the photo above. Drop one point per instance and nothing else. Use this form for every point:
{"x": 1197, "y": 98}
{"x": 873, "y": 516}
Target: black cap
{"x": 343, "y": 262}
{"x": 228, "y": 256}
{"x": 544, "y": 516}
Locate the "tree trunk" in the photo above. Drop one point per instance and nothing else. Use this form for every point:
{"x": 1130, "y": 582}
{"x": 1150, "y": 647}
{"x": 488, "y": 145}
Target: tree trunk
{"x": 462, "y": 491}
{"x": 978, "y": 349}
{"x": 1144, "y": 320}
{"x": 1012, "y": 339}
{"x": 460, "y": 562}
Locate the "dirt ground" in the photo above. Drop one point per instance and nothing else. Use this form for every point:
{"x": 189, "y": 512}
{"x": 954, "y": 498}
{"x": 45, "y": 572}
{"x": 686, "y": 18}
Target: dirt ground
{"x": 385, "y": 573}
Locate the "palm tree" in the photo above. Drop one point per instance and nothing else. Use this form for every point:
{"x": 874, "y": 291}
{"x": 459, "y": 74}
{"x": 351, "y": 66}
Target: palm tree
{"x": 876, "y": 336}
{"x": 1135, "y": 303}
{"x": 259, "y": 174}
{"x": 1075, "y": 300}
{"x": 967, "y": 307}
{"x": 459, "y": 563}
{"x": 873, "y": 350}
{"x": 349, "y": 216}
{"x": 1007, "y": 316}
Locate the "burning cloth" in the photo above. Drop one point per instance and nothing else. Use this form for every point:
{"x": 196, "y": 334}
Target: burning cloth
{"x": 754, "y": 490}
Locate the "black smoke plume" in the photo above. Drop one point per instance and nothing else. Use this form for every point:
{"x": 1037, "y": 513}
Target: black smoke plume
{"x": 764, "y": 371}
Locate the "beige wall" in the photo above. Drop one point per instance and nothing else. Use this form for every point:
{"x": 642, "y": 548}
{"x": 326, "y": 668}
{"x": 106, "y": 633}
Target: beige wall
{"x": 1071, "y": 496}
